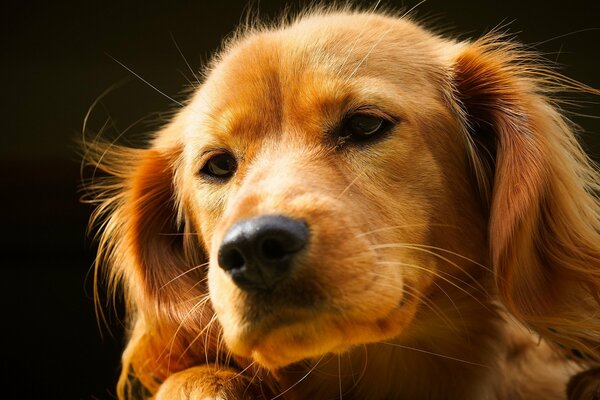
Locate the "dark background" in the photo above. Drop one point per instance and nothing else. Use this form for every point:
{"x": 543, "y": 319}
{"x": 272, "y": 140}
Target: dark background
{"x": 55, "y": 64}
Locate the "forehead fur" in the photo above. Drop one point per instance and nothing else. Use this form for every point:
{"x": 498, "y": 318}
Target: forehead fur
{"x": 337, "y": 42}
{"x": 319, "y": 63}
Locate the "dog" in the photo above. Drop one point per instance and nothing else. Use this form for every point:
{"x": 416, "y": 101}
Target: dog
{"x": 351, "y": 206}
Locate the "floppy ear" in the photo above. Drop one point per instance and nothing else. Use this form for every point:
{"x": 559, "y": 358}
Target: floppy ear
{"x": 540, "y": 189}
{"x": 148, "y": 248}
{"x": 145, "y": 236}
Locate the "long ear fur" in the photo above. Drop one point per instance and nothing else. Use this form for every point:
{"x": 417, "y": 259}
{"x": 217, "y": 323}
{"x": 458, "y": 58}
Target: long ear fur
{"x": 540, "y": 187}
{"x": 150, "y": 250}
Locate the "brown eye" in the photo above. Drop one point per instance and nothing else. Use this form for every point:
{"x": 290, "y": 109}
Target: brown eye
{"x": 362, "y": 127}
{"x": 220, "y": 166}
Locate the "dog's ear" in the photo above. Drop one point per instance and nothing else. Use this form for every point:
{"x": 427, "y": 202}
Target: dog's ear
{"x": 148, "y": 247}
{"x": 539, "y": 186}
{"x": 145, "y": 236}
{"x": 156, "y": 230}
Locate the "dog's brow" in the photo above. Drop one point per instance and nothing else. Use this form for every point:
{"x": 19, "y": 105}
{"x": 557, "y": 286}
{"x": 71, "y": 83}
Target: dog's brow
{"x": 322, "y": 115}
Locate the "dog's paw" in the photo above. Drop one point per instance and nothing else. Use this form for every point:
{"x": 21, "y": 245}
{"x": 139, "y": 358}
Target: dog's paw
{"x": 585, "y": 386}
{"x": 208, "y": 383}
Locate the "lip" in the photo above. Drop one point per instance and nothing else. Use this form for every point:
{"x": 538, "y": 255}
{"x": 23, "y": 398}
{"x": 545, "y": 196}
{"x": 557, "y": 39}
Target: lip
{"x": 277, "y": 340}
{"x": 265, "y": 325}
{"x": 248, "y": 336}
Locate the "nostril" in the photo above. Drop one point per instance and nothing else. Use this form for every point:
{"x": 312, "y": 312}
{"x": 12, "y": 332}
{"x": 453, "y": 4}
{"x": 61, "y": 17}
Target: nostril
{"x": 273, "y": 250}
{"x": 231, "y": 259}
{"x": 279, "y": 239}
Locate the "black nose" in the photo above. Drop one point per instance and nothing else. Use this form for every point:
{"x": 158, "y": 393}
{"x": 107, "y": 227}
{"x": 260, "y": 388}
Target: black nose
{"x": 259, "y": 252}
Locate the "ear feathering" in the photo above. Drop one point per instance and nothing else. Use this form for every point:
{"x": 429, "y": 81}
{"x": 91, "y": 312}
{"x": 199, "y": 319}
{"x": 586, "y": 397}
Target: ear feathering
{"x": 144, "y": 243}
{"x": 541, "y": 189}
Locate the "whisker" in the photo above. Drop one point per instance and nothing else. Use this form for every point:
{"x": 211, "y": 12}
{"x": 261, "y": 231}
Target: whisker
{"x": 404, "y": 227}
{"x": 383, "y": 35}
{"x": 451, "y": 300}
{"x": 427, "y": 251}
{"x": 340, "y": 375}
{"x": 349, "y": 185}
{"x": 435, "y": 273}
{"x": 422, "y": 298}
{"x": 184, "y": 273}
{"x": 376, "y": 6}
{"x": 362, "y": 372}
{"x": 179, "y": 327}
{"x": 240, "y": 373}
{"x": 440, "y": 274}
{"x": 145, "y": 81}
{"x": 184, "y": 76}
{"x": 436, "y": 354}
{"x": 437, "y": 310}
{"x": 206, "y": 328}
{"x": 358, "y": 38}
{"x": 106, "y": 151}
{"x": 413, "y": 8}
{"x": 199, "y": 282}
{"x": 202, "y": 297}
{"x": 186, "y": 61}
{"x": 299, "y": 380}
{"x": 457, "y": 255}
{"x": 565, "y": 35}
{"x": 476, "y": 281}
{"x": 180, "y": 234}
{"x": 254, "y": 376}
{"x": 221, "y": 347}
{"x": 351, "y": 370}
{"x": 437, "y": 248}
{"x": 87, "y": 117}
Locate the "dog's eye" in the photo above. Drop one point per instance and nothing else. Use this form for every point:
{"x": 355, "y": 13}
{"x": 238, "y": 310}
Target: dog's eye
{"x": 220, "y": 166}
{"x": 363, "y": 127}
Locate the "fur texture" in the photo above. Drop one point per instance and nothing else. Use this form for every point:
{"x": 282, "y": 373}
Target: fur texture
{"x": 455, "y": 257}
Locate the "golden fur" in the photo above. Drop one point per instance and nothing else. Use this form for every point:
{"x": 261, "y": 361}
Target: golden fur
{"x": 456, "y": 258}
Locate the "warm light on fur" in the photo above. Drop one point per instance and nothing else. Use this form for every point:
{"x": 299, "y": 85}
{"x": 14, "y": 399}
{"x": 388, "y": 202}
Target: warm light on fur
{"x": 457, "y": 257}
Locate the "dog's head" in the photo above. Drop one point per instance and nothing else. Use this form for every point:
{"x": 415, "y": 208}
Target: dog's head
{"x": 328, "y": 177}
{"x": 314, "y": 161}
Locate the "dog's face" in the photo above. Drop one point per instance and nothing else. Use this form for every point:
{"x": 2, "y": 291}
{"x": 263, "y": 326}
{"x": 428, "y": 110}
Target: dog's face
{"x": 315, "y": 161}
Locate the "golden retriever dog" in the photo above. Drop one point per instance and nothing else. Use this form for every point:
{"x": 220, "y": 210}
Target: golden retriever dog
{"x": 350, "y": 206}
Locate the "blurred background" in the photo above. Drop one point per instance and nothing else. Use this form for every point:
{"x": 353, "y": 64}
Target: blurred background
{"x": 57, "y": 59}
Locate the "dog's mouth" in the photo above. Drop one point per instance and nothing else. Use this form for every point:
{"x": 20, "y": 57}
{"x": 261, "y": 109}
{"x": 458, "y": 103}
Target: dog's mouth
{"x": 286, "y": 335}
